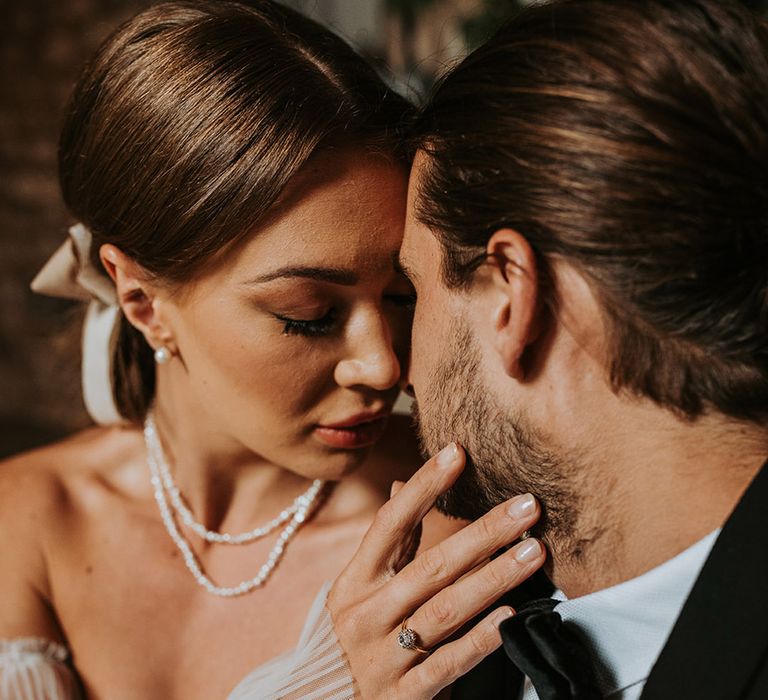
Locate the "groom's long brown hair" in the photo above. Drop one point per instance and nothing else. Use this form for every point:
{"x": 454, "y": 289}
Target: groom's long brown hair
{"x": 629, "y": 137}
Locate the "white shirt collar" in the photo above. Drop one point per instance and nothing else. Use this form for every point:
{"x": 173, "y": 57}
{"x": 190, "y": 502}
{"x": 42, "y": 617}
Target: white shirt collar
{"x": 628, "y": 624}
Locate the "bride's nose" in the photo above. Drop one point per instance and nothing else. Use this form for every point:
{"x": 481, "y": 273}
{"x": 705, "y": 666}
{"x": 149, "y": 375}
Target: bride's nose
{"x": 370, "y": 358}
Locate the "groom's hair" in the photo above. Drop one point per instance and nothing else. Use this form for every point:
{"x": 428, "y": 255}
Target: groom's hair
{"x": 629, "y": 138}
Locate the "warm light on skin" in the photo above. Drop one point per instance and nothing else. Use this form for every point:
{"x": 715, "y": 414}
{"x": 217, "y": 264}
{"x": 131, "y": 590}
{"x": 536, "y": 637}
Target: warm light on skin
{"x": 306, "y": 323}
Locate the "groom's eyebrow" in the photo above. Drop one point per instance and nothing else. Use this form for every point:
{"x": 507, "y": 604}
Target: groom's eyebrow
{"x": 334, "y": 275}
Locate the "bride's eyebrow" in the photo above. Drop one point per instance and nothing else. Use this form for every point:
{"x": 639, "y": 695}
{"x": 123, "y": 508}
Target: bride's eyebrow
{"x": 323, "y": 274}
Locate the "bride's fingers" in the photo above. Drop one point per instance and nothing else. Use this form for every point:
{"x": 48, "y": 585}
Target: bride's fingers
{"x": 439, "y": 566}
{"x": 381, "y": 547}
{"x": 453, "y": 660}
{"x": 447, "y": 611}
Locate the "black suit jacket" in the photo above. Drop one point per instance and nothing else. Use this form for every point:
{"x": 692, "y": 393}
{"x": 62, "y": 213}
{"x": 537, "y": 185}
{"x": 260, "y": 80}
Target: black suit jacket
{"x": 718, "y": 648}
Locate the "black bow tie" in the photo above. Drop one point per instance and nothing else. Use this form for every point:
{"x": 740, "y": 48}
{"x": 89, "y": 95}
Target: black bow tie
{"x": 551, "y": 653}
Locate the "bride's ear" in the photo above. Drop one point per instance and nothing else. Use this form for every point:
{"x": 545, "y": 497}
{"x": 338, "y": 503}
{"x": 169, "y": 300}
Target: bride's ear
{"x": 137, "y": 296}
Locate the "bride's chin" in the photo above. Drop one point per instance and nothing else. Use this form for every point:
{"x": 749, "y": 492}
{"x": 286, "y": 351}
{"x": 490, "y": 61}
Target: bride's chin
{"x": 335, "y": 464}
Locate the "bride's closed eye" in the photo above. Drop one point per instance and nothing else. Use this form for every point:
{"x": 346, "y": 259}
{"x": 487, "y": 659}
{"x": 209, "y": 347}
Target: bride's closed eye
{"x": 326, "y": 324}
{"x": 309, "y": 327}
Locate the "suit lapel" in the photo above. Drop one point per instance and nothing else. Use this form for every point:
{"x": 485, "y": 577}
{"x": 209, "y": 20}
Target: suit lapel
{"x": 722, "y": 632}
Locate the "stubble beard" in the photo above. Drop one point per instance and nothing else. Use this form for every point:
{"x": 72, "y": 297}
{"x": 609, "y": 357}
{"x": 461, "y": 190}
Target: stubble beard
{"x": 506, "y": 456}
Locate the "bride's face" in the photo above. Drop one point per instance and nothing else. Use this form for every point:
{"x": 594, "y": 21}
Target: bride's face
{"x": 293, "y": 346}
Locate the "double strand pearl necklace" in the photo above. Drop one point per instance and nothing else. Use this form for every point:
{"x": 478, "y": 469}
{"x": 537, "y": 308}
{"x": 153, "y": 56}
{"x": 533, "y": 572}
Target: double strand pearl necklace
{"x": 162, "y": 481}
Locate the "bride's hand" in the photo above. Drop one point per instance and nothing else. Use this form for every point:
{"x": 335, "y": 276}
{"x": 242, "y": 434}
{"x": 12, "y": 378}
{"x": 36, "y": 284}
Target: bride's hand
{"x": 436, "y": 593}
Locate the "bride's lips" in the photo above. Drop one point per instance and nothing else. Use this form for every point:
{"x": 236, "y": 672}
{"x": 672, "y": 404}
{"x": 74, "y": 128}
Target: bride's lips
{"x": 355, "y": 432}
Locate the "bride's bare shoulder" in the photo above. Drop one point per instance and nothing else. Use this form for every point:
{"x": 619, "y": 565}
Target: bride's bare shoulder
{"x": 45, "y": 482}
{"x": 43, "y": 493}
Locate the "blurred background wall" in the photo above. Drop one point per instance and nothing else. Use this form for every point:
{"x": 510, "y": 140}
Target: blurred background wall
{"x": 43, "y": 44}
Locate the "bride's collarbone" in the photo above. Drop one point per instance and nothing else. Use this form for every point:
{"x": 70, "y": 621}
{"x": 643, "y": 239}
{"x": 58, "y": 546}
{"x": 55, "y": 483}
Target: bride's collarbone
{"x": 165, "y": 629}
{"x": 123, "y": 588}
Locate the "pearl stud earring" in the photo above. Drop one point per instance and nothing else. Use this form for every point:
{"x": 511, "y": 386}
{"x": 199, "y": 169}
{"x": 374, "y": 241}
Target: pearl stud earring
{"x": 162, "y": 355}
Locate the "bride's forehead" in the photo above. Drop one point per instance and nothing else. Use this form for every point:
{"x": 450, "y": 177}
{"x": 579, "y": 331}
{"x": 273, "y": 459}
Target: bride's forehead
{"x": 357, "y": 252}
{"x": 349, "y": 221}
{"x": 340, "y": 253}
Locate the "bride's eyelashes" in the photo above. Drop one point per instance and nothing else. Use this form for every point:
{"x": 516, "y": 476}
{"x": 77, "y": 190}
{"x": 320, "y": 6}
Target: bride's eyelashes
{"x": 309, "y": 327}
{"x": 327, "y": 323}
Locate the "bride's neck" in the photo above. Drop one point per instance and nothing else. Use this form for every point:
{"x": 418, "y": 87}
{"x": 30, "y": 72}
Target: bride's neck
{"x": 227, "y": 486}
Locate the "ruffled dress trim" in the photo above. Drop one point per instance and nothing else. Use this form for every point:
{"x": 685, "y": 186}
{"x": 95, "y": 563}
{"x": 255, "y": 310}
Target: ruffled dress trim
{"x": 315, "y": 670}
{"x": 36, "y": 669}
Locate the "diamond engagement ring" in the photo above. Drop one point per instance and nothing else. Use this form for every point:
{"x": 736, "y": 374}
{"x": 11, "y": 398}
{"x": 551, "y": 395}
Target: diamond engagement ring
{"x": 408, "y": 639}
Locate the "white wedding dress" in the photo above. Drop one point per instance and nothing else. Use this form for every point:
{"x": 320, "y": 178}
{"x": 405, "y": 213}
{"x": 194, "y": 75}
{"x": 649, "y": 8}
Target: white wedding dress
{"x": 37, "y": 669}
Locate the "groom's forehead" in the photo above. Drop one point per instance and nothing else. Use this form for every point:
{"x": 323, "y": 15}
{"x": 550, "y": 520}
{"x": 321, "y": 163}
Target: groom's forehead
{"x": 410, "y": 255}
{"x": 415, "y": 249}
{"x": 421, "y": 259}
{"x": 418, "y": 167}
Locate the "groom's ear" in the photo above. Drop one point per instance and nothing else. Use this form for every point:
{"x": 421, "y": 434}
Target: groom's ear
{"x": 137, "y": 296}
{"x": 514, "y": 275}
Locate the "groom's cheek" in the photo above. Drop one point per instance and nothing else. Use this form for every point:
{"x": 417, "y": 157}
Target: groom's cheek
{"x": 418, "y": 350}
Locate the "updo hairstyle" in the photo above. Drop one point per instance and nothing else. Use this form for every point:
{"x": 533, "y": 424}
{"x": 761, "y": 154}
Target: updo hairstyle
{"x": 187, "y": 125}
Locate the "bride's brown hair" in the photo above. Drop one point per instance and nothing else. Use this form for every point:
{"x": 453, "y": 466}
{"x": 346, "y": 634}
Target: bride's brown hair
{"x": 187, "y": 125}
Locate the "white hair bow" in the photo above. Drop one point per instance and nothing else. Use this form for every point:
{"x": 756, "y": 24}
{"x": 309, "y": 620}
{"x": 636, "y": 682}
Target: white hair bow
{"x": 70, "y": 274}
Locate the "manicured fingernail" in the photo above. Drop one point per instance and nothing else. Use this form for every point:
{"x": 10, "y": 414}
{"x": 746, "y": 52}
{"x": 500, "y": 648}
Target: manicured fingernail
{"x": 502, "y": 614}
{"x": 447, "y": 456}
{"x": 521, "y": 506}
{"x": 527, "y": 550}
{"x": 395, "y": 488}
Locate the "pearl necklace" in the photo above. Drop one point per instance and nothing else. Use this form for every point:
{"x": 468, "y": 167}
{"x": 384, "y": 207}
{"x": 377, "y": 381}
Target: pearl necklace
{"x": 300, "y": 510}
{"x": 177, "y": 501}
